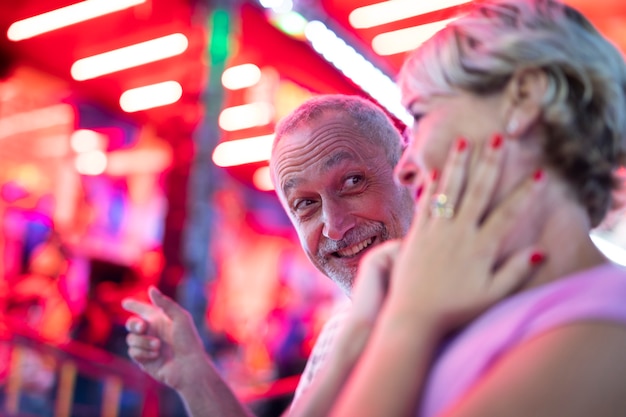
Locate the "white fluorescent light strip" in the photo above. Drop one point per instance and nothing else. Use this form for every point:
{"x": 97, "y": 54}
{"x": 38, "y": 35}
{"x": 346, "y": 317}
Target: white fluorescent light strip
{"x": 66, "y": 16}
{"x": 150, "y": 96}
{"x": 406, "y": 39}
{"x": 278, "y": 6}
{"x": 129, "y": 56}
{"x": 56, "y": 115}
{"x": 612, "y": 251}
{"x": 391, "y": 11}
{"x": 354, "y": 66}
{"x": 246, "y": 116}
{"x": 241, "y": 76}
{"x": 243, "y": 151}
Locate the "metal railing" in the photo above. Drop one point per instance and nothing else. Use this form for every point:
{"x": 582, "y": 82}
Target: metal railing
{"x": 67, "y": 362}
{"x": 115, "y": 375}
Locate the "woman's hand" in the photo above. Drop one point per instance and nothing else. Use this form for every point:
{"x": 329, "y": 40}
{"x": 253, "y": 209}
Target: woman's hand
{"x": 447, "y": 270}
{"x": 454, "y": 262}
{"x": 368, "y": 295}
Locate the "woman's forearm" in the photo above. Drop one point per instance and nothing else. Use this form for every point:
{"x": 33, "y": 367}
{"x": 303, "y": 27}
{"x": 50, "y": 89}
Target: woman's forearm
{"x": 319, "y": 398}
{"x": 390, "y": 375}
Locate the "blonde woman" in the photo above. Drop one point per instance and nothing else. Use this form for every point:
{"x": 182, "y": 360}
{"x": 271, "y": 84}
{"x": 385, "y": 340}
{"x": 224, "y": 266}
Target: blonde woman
{"x": 520, "y": 104}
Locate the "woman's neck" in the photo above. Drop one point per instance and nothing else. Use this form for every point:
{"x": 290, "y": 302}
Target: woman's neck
{"x": 564, "y": 238}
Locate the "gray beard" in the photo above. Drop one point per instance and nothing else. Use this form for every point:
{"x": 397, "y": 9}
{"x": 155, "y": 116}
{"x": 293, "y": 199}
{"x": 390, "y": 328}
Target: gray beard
{"x": 344, "y": 276}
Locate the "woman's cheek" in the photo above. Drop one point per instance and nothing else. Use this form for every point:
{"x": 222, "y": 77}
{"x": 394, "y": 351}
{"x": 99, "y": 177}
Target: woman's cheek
{"x": 433, "y": 154}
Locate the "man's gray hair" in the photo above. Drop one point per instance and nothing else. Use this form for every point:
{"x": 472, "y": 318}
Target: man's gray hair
{"x": 369, "y": 120}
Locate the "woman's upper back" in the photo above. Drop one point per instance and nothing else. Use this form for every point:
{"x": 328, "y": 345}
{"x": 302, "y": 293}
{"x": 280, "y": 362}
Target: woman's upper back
{"x": 595, "y": 294}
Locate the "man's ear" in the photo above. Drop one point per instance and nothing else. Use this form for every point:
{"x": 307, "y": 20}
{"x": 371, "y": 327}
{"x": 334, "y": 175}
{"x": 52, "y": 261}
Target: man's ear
{"x": 524, "y": 95}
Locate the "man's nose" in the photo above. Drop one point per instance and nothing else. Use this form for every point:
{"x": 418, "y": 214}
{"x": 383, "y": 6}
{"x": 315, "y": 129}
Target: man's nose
{"x": 337, "y": 220}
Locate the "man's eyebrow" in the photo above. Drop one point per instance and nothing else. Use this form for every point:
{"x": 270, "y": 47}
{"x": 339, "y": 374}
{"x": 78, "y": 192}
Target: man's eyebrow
{"x": 290, "y": 184}
{"x": 332, "y": 161}
{"x": 337, "y": 158}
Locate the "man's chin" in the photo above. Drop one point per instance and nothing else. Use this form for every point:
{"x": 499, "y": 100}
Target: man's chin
{"x": 343, "y": 277}
{"x": 345, "y": 284}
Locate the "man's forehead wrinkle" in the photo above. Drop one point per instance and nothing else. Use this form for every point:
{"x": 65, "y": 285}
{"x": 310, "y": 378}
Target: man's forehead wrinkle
{"x": 337, "y": 157}
{"x": 329, "y": 155}
{"x": 330, "y": 143}
{"x": 328, "y": 159}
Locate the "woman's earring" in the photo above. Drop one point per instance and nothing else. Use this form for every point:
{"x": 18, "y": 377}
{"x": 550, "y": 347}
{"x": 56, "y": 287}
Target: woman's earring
{"x": 511, "y": 127}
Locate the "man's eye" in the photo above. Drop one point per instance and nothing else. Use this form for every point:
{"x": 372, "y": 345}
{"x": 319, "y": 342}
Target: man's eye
{"x": 302, "y": 204}
{"x": 353, "y": 180}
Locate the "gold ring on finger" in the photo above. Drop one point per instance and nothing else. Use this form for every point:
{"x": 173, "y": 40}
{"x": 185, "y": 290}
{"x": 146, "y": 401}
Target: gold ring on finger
{"x": 441, "y": 206}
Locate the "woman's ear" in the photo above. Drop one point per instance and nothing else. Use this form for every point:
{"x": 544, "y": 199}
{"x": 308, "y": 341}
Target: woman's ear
{"x": 524, "y": 94}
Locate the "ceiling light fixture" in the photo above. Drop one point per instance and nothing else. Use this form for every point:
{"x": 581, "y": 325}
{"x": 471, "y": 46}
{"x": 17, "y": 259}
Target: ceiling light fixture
{"x": 241, "y": 76}
{"x": 55, "y": 115}
{"x": 279, "y": 6}
{"x": 129, "y": 56}
{"x": 391, "y": 11}
{"x": 246, "y": 116}
{"x": 407, "y": 39}
{"x": 66, "y": 16}
{"x": 149, "y": 96}
{"x": 292, "y": 23}
{"x": 243, "y": 151}
{"x": 354, "y": 66}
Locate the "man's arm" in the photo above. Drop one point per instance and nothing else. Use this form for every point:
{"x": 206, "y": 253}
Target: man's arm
{"x": 163, "y": 341}
{"x": 338, "y": 347}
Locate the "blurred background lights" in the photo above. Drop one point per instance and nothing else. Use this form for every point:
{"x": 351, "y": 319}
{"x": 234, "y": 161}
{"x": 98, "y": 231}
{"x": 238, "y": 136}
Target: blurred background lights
{"x": 278, "y": 6}
{"x": 129, "y": 56}
{"x": 85, "y": 140}
{"x": 246, "y": 116}
{"x": 243, "y": 151}
{"x": 241, "y": 76}
{"x": 262, "y": 180}
{"x": 390, "y": 11}
{"x": 403, "y": 40}
{"x": 150, "y": 96}
{"x": 292, "y": 23}
{"x": 354, "y": 66}
{"x": 65, "y": 16}
{"x": 32, "y": 120}
{"x": 91, "y": 163}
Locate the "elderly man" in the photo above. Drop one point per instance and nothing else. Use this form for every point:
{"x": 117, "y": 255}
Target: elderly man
{"x": 332, "y": 166}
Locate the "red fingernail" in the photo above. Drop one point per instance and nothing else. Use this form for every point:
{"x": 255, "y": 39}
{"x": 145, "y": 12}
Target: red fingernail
{"x": 434, "y": 175}
{"x": 537, "y": 258}
{"x": 496, "y": 141}
{"x": 418, "y": 192}
{"x": 538, "y": 175}
{"x": 461, "y": 145}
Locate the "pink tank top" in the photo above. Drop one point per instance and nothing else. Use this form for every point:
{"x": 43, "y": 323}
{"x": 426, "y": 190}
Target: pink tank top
{"x": 597, "y": 293}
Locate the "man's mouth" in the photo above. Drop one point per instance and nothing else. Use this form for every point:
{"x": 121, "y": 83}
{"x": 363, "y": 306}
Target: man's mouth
{"x": 354, "y": 249}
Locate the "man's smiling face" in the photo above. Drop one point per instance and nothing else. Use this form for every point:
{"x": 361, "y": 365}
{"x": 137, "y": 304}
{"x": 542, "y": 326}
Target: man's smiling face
{"x": 337, "y": 188}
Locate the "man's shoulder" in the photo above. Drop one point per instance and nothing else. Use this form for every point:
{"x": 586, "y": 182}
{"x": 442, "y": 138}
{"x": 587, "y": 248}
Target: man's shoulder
{"x": 323, "y": 345}
{"x": 336, "y": 319}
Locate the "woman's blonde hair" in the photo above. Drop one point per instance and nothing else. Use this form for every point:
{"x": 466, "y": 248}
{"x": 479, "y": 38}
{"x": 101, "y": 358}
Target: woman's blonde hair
{"x": 584, "y": 114}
